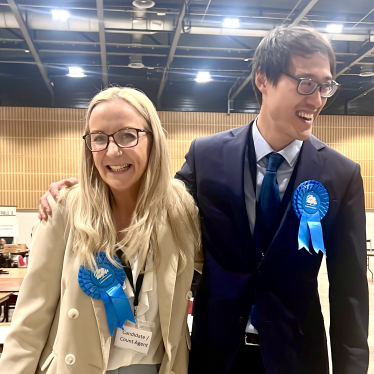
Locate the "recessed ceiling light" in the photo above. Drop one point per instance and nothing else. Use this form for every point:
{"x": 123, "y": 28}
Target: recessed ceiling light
{"x": 246, "y": 59}
{"x": 60, "y": 14}
{"x": 27, "y": 51}
{"x": 76, "y": 72}
{"x": 231, "y": 23}
{"x": 334, "y": 28}
{"x": 161, "y": 14}
{"x": 203, "y": 76}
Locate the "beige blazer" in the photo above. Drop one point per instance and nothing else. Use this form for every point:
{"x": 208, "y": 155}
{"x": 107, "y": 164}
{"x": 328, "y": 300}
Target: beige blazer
{"x": 58, "y": 329}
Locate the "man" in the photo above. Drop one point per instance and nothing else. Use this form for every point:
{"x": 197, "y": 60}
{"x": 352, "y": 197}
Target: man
{"x": 257, "y": 308}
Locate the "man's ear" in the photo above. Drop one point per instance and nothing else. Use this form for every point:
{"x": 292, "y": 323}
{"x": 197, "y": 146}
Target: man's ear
{"x": 261, "y": 81}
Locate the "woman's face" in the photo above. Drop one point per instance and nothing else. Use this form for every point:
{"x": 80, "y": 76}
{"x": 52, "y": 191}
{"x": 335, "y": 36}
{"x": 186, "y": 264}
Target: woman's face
{"x": 120, "y": 168}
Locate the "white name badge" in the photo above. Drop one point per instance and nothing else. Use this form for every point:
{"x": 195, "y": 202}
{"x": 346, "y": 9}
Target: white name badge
{"x": 132, "y": 338}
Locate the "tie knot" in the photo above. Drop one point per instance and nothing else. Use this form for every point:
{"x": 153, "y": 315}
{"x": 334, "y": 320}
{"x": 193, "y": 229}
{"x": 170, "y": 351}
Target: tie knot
{"x": 274, "y": 161}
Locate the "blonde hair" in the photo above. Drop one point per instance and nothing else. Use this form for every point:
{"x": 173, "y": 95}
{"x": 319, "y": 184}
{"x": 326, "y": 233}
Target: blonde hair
{"x": 160, "y": 197}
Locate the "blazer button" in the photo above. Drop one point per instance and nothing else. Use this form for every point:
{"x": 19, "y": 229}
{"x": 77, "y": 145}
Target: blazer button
{"x": 241, "y": 320}
{"x": 70, "y": 359}
{"x": 188, "y": 295}
{"x": 73, "y": 314}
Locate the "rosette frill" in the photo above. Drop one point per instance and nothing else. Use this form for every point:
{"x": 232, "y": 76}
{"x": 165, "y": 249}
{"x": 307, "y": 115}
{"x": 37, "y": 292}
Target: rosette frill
{"x": 311, "y": 203}
{"x": 106, "y": 284}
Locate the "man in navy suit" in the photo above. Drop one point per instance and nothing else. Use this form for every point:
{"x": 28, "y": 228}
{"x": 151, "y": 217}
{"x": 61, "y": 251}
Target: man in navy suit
{"x": 257, "y": 307}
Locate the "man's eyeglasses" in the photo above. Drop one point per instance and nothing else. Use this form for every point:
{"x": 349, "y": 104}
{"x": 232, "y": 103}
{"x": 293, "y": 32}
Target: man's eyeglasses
{"x": 124, "y": 138}
{"x": 307, "y": 86}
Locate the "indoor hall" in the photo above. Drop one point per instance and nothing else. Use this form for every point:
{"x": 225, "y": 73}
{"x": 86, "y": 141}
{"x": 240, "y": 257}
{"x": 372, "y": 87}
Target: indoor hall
{"x": 193, "y": 60}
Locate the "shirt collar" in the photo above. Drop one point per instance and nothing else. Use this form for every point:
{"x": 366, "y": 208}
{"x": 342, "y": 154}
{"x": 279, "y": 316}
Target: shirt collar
{"x": 262, "y": 148}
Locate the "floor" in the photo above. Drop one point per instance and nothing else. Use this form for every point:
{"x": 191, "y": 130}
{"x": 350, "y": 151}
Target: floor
{"x": 323, "y": 287}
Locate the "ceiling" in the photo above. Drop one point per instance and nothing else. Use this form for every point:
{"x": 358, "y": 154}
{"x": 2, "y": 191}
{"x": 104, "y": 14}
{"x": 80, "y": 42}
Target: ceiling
{"x": 173, "y": 40}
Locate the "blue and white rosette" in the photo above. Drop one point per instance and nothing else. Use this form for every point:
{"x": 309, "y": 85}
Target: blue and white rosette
{"x": 106, "y": 284}
{"x": 311, "y": 203}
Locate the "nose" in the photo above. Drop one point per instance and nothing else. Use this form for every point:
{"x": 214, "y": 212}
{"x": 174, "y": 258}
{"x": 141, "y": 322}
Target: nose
{"x": 113, "y": 149}
{"x": 316, "y": 99}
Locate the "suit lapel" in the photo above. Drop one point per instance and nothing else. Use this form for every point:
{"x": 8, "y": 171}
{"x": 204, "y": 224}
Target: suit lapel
{"x": 234, "y": 152}
{"x": 310, "y": 167}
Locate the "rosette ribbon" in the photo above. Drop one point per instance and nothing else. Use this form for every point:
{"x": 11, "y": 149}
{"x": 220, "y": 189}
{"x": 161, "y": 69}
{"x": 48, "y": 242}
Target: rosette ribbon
{"x": 106, "y": 284}
{"x": 311, "y": 203}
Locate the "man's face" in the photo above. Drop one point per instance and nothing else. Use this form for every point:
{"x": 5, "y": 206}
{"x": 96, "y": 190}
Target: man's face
{"x": 290, "y": 115}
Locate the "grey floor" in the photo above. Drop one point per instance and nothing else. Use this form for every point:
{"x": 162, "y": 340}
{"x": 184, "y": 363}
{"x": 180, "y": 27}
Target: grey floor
{"x": 323, "y": 287}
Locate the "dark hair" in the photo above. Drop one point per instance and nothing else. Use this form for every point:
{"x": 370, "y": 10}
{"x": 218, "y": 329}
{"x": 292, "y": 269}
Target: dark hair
{"x": 273, "y": 54}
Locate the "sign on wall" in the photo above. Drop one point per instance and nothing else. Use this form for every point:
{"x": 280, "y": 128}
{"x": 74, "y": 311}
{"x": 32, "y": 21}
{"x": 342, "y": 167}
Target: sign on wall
{"x": 8, "y": 221}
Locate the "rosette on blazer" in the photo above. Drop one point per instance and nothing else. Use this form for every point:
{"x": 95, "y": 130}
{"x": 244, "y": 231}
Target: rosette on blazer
{"x": 106, "y": 284}
{"x": 311, "y": 203}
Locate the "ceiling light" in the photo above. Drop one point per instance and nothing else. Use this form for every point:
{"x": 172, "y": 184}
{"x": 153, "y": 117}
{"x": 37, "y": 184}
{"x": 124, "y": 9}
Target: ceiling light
{"x": 161, "y": 14}
{"x": 143, "y": 4}
{"x": 366, "y": 71}
{"x": 59, "y": 14}
{"x": 334, "y": 28}
{"x": 76, "y": 72}
{"x": 203, "y": 76}
{"x": 246, "y": 59}
{"x": 231, "y": 23}
{"x": 27, "y": 51}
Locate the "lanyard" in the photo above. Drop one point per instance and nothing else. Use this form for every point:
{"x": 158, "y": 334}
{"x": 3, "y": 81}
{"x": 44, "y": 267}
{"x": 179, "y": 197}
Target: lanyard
{"x": 138, "y": 286}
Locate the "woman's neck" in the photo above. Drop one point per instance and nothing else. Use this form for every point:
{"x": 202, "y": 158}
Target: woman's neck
{"x": 123, "y": 206}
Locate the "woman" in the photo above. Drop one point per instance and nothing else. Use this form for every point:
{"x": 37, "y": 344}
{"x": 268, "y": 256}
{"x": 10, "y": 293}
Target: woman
{"x": 128, "y": 206}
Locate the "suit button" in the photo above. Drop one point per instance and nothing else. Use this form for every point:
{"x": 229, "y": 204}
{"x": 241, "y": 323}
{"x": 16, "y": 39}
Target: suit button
{"x": 241, "y": 320}
{"x": 70, "y": 359}
{"x": 73, "y": 314}
{"x": 188, "y": 295}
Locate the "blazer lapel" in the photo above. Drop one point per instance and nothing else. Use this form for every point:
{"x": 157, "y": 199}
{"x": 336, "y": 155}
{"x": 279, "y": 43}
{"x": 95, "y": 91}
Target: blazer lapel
{"x": 310, "y": 167}
{"x": 234, "y": 152}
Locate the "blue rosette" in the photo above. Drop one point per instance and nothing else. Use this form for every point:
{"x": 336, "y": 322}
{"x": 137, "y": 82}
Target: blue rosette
{"x": 311, "y": 203}
{"x": 106, "y": 284}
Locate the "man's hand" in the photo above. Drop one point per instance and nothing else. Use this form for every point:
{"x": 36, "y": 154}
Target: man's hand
{"x": 54, "y": 189}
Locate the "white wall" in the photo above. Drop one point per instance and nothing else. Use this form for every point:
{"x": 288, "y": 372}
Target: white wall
{"x": 26, "y": 220}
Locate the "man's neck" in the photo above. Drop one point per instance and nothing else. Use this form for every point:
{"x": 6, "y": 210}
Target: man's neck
{"x": 276, "y": 140}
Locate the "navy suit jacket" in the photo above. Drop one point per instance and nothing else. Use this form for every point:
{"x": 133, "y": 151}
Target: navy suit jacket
{"x": 284, "y": 284}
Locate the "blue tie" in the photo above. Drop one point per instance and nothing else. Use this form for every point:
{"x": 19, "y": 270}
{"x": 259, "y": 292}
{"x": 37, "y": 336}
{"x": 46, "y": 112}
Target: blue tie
{"x": 268, "y": 203}
{"x": 269, "y": 200}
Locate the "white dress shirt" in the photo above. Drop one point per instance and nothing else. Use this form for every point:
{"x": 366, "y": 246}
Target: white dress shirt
{"x": 147, "y": 311}
{"x": 262, "y": 149}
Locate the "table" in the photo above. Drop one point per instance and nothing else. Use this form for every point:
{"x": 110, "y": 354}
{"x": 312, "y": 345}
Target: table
{"x": 12, "y": 282}
{"x": 369, "y": 254}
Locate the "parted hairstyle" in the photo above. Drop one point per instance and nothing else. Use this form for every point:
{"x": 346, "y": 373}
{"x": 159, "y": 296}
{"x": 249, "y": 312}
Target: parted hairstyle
{"x": 161, "y": 199}
{"x": 273, "y": 54}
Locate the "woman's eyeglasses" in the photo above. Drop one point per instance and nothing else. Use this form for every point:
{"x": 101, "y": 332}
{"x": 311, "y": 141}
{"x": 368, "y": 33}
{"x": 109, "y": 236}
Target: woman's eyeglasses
{"x": 124, "y": 138}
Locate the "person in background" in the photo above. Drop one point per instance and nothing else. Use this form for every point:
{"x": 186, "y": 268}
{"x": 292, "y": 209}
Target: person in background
{"x": 128, "y": 216}
{"x": 274, "y": 200}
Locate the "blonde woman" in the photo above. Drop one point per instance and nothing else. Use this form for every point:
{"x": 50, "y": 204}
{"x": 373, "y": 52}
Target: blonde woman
{"x": 127, "y": 213}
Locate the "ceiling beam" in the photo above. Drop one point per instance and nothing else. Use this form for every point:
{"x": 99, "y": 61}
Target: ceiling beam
{"x": 104, "y": 65}
{"x": 304, "y": 12}
{"x": 30, "y": 44}
{"x": 172, "y": 50}
{"x": 361, "y": 95}
{"x": 363, "y": 52}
